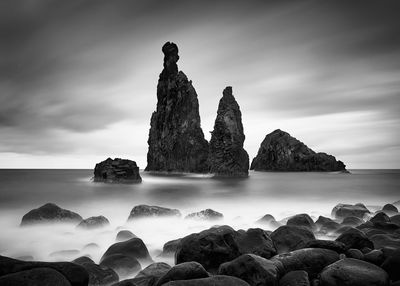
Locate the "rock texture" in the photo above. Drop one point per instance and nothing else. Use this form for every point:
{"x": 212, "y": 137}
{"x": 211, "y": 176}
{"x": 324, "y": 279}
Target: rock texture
{"x": 281, "y": 152}
{"x": 176, "y": 140}
{"x": 50, "y": 213}
{"x": 117, "y": 171}
{"x": 227, "y": 156}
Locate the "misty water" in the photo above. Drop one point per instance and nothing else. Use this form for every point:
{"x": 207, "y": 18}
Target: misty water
{"x": 242, "y": 201}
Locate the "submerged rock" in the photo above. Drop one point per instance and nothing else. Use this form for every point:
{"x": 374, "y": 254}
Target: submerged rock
{"x": 50, "y": 213}
{"x": 227, "y": 156}
{"x": 117, "y": 171}
{"x": 176, "y": 140}
{"x": 281, "y": 152}
{"x": 145, "y": 211}
{"x": 123, "y": 235}
{"x": 94, "y": 222}
{"x": 122, "y": 264}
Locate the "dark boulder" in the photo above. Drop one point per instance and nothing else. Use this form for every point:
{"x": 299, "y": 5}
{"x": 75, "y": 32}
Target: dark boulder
{"x": 176, "y": 140}
{"x": 251, "y": 268}
{"x": 207, "y": 214}
{"x": 385, "y": 240}
{"x": 380, "y": 217}
{"x": 170, "y": 247}
{"x": 390, "y": 209}
{"x": 337, "y": 246}
{"x": 295, "y": 278}
{"x": 122, "y": 264}
{"x": 123, "y": 235}
{"x": 311, "y": 260}
{"x": 287, "y": 238}
{"x": 98, "y": 275}
{"x": 395, "y": 219}
{"x": 217, "y": 280}
{"x": 183, "y": 271}
{"x": 75, "y": 274}
{"x": 326, "y": 225}
{"x": 352, "y": 221}
{"x": 148, "y": 276}
{"x": 94, "y": 222}
{"x": 269, "y": 221}
{"x": 50, "y": 213}
{"x": 392, "y": 265}
{"x": 117, "y": 171}
{"x": 375, "y": 257}
{"x": 145, "y": 211}
{"x": 281, "y": 152}
{"x": 341, "y": 211}
{"x": 133, "y": 247}
{"x": 353, "y": 272}
{"x": 354, "y": 238}
{"x": 227, "y": 156}
{"x": 35, "y": 277}
{"x": 301, "y": 220}
{"x": 355, "y": 253}
{"x": 255, "y": 241}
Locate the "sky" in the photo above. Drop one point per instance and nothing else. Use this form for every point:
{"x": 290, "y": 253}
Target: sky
{"x": 78, "y": 78}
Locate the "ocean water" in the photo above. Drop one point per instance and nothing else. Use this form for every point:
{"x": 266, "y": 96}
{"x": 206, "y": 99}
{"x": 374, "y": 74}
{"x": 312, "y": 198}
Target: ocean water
{"x": 242, "y": 201}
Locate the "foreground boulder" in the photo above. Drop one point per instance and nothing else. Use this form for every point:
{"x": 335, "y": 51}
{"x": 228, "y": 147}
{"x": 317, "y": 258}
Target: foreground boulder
{"x": 353, "y": 272}
{"x": 337, "y": 246}
{"x": 295, "y": 278}
{"x": 133, "y": 247}
{"x": 392, "y": 265}
{"x": 251, "y": 268}
{"x": 75, "y": 274}
{"x": 50, "y": 213}
{"x": 390, "y": 209}
{"x": 122, "y": 264}
{"x": 341, "y": 211}
{"x": 176, "y": 140}
{"x": 94, "y": 222}
{"x": 35, "y": 277}
{"x": 303, "y": 220}
{"x": 117, "y": 171}
{"x": 148, "y": 276}
{"x": 217, "y": 280}
{"x": 217, "y": 245}
{"x": 207, "y": 214}
{"x": 311, "y": 260}
{"x": 227, "y": 156}
{"x": 287, "y": 238}
{"x": 145, "y": 211}
{"x": 183, "y": 271}
{"x": 354, "y": 238}
{"x": 98, "y": 275}
{"x": 281, "y": 152}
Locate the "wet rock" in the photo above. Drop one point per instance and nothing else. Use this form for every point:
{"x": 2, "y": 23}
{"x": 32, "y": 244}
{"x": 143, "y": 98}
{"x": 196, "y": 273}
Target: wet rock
{"x": 251, "y": 268}
{"x": 337, "y": 246}
{"x": 392, "y": 265}
{"x": 98, "y": 275}
{"x": 281, "y": 152}
{"x": 123, "y": 235}
{"x": 148, "y": 276}
{"x": 227, "y": 156}
{"x": 342, "y": 229}
{"x": 354, "y": 253}
{"x": 217, "y": 280}
{"x": 380, "y": 217}
{"x": 353, "y": 238}
{"x": 217, "y": 245}
{"x": 385, "y": 240}
{"x": 352, "y": 221}
{"x": 133, "y": 247}
{"x": 311, "y": 260}
{"x": 94, "y": 222}
{"x": 170, "y": 247}
{"x": 341, "y": 211}
{"x": 145, "y": 211}
{"x": 35, "y": 277}
{"x": 207, "y": 214}
{"x": 287, "y": 238}
{"x": 353, "y": 272}
{"x": 326, "y": 225}
{"x": 390, "y": 209}
{"x": 122, "y": 264}
{"x": 176, "y": 140}
{"x": 117, "y": 171}
{"x": 183, "y": 271}
{"x": 303, "y": 220}
{"x": 295, "y": 278}
{"x": 83, "y": 259}
{"x": 50, "y": 213}
{"x": 75, "y": 274}
{"x": 375, "y": 257}
{"x": 395, "y": 219}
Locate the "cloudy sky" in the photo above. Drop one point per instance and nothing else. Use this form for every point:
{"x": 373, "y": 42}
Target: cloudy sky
{"x": 78, "y": 78}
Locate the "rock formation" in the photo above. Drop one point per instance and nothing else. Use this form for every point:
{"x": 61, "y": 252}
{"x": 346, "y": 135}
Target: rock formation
{"x": 50, "y": 213}
{"x": 176, "y": 140}
{"x": 227, "y": 156}
{"x": 117, "y": 171}
{"x": 281, "y": 152}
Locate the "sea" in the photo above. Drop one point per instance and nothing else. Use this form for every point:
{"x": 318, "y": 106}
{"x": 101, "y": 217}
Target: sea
{"x": 241, "y": 201}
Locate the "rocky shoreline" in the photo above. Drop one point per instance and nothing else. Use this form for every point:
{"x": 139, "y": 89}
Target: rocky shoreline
{"x": 363, "y": 249}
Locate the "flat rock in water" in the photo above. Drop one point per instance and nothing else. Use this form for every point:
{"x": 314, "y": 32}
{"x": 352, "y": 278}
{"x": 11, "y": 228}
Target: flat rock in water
{"x": 50, "y": 213}
{"x": 117, "y": 171}
{"x": 281, "y": 152}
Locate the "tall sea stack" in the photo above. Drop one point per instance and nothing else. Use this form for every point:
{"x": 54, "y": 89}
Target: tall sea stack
{"x": 227, "y": 156}
{"x": 281, "y": 152}
{"x": 176, "y": 140}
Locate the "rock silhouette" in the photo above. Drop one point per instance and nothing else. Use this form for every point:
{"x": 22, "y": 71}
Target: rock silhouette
{"x": 281, "y": 152}
{"x": 227, "y": 156}
{"x": 117, "y": 171}
{"x": 176, "y": 140}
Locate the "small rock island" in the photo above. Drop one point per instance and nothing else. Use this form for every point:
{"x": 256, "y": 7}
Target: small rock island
{"x": 176, "y": 140}
{"x": 281, "y": 152}
{"x": 117, "y": 171}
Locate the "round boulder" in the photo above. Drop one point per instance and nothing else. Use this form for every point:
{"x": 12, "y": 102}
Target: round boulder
{"x": 94, "y": 222}
{"x": 354, "y": 238}
{"x": 301, "y": 220}
{"x": 183, "y": 271}
{"x": 35, "y": 277}
{"x": 295, "y": 278}
{"x": 207, "y": 214}
{"x": 287, "y": 238}
{"x": 337, "y": 246}
{"x": 352, "y": 221}
{"x": 390, "y": 209}
{"x": 353, "y": 272}
{"x": 50, "y": 213}
{"x": 340, "y": 211}
{"x": 380, "y": 217}
{"x": 133, "y": 247}
{"x": 123, "y": 235}
{"x": 122, "y": 264}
